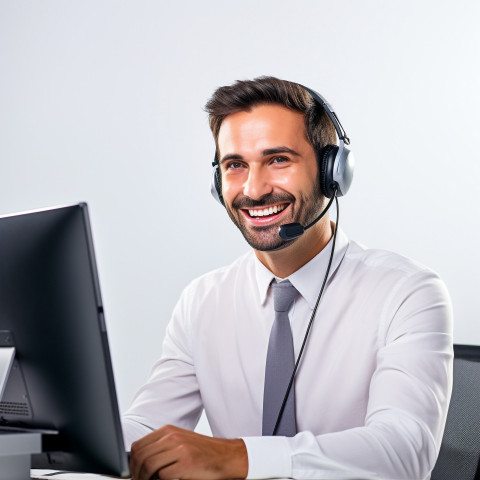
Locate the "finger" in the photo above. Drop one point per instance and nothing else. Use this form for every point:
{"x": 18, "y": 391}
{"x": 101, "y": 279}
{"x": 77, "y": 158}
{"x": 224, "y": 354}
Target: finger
{"x": 171, "y": 472}
{"x": 153, "y": 465}
{"x": 143, "y": 448}
{"x": 155, "y": 455}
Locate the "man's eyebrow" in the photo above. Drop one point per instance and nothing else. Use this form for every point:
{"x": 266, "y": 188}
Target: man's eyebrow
{"x": 274, "y": 150}
{"x": 230, "y": 156}
{"x": 266, "y": 152}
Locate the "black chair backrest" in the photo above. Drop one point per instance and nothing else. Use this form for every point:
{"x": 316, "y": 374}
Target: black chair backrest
{"x": 460, "y": 450}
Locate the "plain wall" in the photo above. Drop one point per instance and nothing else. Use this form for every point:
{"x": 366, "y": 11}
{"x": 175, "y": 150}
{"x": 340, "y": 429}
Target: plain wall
{"x": 102, "y": 101}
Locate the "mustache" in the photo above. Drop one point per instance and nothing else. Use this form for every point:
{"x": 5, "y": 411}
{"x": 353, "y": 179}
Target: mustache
{"x": 244, "y": 202}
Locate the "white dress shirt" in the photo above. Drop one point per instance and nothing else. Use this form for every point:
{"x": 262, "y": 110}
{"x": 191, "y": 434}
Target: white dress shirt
{"x": 373, "y": 387}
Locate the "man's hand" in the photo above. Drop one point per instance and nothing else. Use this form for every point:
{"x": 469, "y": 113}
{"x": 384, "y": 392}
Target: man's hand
{"x": 175, "y": 453}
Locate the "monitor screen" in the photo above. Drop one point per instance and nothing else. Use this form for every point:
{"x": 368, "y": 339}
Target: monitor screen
{"x": 51, "y": 312}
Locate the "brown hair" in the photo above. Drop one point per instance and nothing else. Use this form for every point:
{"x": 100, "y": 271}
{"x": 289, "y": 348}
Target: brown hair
{"x": 246, "y": 94}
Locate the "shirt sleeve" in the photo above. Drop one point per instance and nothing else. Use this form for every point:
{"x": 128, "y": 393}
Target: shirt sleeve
{"x": 171, "y": 394}
{"x": 407, "y": 406}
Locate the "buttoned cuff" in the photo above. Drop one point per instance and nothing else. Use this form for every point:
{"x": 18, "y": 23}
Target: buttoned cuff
{"x": 268, "y": 457}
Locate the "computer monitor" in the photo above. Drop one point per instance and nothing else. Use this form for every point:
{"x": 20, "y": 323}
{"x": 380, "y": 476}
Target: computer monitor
{"x": 51, "y": 313}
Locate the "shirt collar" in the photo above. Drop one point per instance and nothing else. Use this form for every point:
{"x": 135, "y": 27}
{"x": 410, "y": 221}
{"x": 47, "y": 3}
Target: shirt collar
{"x": 307, "y": 279}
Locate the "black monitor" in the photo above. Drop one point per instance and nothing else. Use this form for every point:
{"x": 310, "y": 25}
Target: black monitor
{"x": 61, "y": 381}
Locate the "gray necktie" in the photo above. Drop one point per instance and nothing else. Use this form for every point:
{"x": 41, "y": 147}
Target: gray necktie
{"x": 279, "y": 365}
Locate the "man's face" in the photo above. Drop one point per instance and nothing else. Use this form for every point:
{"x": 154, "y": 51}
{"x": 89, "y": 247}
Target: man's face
{"x": 269, "y": 173}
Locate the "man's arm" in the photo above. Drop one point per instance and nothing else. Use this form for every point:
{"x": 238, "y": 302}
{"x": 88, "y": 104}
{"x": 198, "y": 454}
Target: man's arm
{"x": 407, "y": 405}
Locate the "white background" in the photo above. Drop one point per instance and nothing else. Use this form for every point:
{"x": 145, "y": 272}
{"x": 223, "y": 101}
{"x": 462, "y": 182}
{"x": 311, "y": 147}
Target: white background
{"x": 102, "y": 101}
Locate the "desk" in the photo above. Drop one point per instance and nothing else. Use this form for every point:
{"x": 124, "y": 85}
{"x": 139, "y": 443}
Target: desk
{"x": 46, "y": 475}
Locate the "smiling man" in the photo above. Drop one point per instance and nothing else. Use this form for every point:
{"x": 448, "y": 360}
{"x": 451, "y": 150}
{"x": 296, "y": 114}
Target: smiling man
{"x": 370, "y": 396}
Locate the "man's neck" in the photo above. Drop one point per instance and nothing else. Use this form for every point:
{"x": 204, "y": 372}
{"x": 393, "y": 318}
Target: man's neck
{"x": 284, "y": 262}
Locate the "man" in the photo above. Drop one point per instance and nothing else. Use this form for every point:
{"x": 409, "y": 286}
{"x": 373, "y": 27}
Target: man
{"x": 370, "y": 396}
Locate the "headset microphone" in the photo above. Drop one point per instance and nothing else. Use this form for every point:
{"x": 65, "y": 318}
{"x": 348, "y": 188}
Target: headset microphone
{"x": 291, "y": 231}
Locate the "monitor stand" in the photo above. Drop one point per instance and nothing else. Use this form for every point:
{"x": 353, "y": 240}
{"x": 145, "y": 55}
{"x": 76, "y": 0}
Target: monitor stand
{"x": 15, "y": 447}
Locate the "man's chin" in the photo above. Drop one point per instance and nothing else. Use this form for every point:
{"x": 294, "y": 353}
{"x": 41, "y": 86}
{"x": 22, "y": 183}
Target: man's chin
{"x": 265, "y": 240}
{"x": 272, "y": 248}
{"x": 261, "y": 238}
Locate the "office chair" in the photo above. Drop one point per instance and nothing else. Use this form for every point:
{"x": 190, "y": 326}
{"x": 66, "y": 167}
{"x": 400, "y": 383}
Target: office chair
{"x": 460, "y": 450}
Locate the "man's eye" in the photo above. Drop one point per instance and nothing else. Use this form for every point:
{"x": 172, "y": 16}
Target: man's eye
{"x": 279, "y": 160}
{"x": 234, "y": 165}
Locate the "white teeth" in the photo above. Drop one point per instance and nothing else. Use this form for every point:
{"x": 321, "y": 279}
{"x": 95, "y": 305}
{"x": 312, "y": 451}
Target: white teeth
{"x": 267, "y": 211}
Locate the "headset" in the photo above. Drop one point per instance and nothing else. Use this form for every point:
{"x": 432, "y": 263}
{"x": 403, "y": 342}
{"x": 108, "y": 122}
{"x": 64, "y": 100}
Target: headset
{"x": 335, "y": 162}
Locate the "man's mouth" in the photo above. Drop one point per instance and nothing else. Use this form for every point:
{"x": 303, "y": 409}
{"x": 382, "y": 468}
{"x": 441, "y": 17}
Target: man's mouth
{"x": 264, "y": 212}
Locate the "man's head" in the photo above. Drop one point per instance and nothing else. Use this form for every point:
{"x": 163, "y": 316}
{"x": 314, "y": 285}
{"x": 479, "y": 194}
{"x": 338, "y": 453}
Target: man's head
{"x": 267, "y": 132}
{"x": 245, "y": 94}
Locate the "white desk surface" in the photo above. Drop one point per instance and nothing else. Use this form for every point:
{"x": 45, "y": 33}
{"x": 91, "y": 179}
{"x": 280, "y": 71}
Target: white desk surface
{"x": 47, "y": 475}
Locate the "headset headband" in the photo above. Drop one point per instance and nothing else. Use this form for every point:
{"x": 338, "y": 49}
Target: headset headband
{"x": 342, "y": 134}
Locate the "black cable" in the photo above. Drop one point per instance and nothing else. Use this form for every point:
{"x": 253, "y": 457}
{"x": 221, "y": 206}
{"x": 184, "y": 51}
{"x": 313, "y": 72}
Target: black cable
{"x": 292, "y": 378}
{"x": 327, "y": 208}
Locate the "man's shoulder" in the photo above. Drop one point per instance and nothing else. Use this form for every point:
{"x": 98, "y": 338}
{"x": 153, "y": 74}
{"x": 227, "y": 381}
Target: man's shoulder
{"x": 382, "y": 262}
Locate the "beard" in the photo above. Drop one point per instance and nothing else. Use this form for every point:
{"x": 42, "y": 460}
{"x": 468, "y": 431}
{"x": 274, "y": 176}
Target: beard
{"x": 266, "y": 238}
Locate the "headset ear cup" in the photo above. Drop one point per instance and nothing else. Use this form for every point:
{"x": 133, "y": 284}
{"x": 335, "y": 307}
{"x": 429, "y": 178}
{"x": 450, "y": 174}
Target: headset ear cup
{"x": 216, "y": 185}
{"x": 216, "y": 182}
{"x": 326, "y": 163}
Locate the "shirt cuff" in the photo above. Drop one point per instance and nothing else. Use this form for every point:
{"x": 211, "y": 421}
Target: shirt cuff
{"x": 268, "y": 457}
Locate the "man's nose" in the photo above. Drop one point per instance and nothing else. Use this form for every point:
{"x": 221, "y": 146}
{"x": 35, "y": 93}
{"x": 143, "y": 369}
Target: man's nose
{"x": 257, "y": 184}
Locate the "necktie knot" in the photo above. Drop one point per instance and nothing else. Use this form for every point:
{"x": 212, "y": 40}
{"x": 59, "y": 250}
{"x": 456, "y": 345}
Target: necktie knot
{"x": 284, "y": 294}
